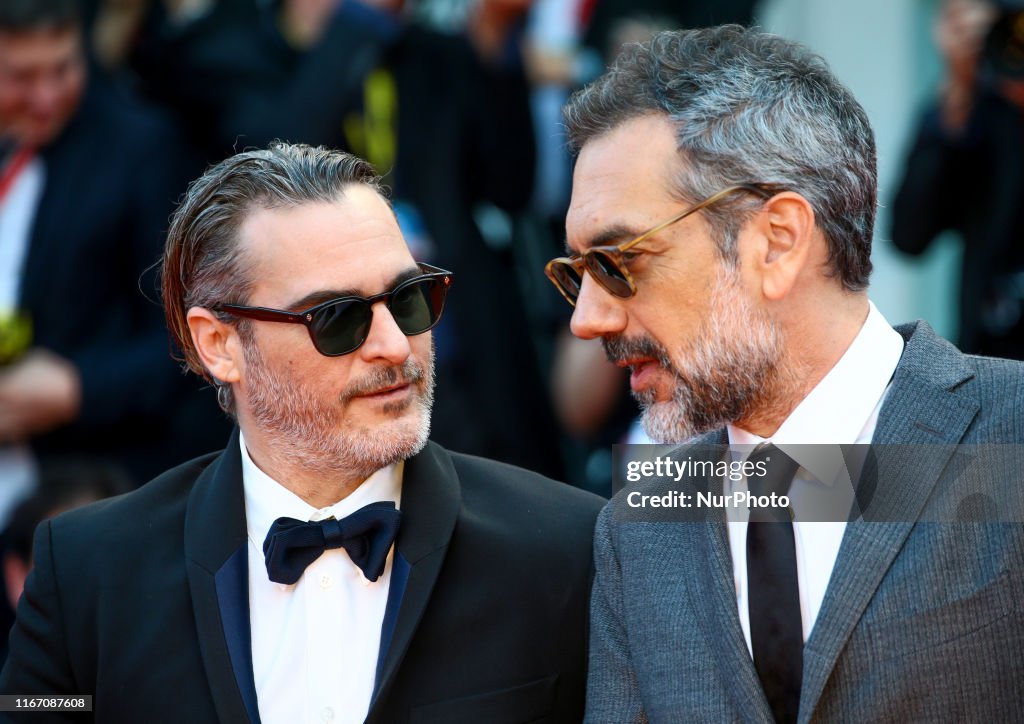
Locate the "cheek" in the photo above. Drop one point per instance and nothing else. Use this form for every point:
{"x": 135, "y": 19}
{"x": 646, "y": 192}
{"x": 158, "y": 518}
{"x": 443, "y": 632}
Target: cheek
{"x": 314, "y": 371}
{"x": 422, "y": 346}
{"x": 668, "y": 313}
{"x": 9, "y": 96}
{"x": 288, "y": 349}
{"x": 72, "y": 91}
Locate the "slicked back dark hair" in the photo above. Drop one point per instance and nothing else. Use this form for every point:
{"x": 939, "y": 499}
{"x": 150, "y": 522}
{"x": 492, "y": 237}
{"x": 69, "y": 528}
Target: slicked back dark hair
{"x": 748, "y": 107}
{"x": 203, "y": 265}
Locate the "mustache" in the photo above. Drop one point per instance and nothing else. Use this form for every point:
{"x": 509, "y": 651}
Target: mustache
{"x": 409, "y": 373}
{"x": 619, "y": 348}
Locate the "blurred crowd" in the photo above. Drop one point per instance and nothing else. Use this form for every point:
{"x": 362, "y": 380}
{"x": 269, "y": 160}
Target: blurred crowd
{"x": 965, "y": 170}
{"x": 109, "y": 107}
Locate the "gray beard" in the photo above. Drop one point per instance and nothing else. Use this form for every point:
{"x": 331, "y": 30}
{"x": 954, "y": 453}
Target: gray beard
{"x": 309, "y": 433}
{"x": 726, "y": 373}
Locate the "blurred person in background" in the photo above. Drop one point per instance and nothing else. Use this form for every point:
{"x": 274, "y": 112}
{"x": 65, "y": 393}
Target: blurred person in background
{"x": 614, "y": 23}
{"x": 63, "y": 485}
{"x": 965, "y": 170}
{"x": 87, "y": 180}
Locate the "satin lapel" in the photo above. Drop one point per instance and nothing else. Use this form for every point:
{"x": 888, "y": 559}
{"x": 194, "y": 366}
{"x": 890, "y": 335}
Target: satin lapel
{"x": 214, "y": 533}
{"x": 232, "y": 583}
{"x": 396, "y": 592}
{"x": 431, "y": 501}
{"x": 925, "y": 407}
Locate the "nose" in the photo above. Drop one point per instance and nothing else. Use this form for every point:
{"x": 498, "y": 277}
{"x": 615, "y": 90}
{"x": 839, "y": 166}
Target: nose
{"x": 597, "y": 313}
{"x": 385, "y": 340}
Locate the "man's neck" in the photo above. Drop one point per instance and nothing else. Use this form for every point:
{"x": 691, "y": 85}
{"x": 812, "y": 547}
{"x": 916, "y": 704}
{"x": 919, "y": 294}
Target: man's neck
{"x": 815, "y": 341}
{"x": 319, "y": 482}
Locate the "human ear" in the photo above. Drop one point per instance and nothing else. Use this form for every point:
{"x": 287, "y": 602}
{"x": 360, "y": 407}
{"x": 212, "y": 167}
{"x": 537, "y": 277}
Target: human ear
{"x": 217, "y": 344}
{"x": 787, "y": 237}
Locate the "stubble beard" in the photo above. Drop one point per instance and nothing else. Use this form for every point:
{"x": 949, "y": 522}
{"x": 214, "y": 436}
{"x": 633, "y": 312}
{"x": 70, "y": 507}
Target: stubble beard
{"x": 729, "y": 372}
{"x": 313, "y": 434}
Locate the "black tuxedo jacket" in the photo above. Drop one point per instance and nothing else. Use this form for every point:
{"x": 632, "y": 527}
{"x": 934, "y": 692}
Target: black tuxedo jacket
{"x": 142, "y": 600}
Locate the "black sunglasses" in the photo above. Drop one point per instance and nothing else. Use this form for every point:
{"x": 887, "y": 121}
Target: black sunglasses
{"x": 340, "y": 326}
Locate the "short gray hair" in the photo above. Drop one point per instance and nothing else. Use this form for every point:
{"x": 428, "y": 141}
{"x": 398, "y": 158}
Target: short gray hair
{"x": 748, "y": 107}
{"x": 203, "y": 265}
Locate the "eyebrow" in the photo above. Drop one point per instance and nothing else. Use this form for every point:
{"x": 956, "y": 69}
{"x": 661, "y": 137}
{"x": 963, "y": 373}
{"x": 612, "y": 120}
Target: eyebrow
{"x": 325, "y": 295}
{"x": 611, "y": 235}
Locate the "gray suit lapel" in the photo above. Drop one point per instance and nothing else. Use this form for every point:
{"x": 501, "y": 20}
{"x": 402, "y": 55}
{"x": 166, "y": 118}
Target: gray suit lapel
{"x": 925, "y": 406}
{"x": 711, "y": 594}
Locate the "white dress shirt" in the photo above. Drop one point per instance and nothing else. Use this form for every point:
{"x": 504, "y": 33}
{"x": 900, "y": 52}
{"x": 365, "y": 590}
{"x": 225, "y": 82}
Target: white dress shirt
{"x": 17, "y": 218}
{"x": 842, "y": 409}
{"x": 315, "y": 643}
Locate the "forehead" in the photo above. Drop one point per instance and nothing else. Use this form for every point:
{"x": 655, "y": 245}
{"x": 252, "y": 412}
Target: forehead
{"x": 39, "y": 47}
{"x": 623, "y": 178}
{"x": 352, "y": 243}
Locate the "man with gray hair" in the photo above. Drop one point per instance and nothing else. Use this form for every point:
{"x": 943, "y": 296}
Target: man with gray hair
{"x": 330, "y": 564}
{"x": 719, "y": 237}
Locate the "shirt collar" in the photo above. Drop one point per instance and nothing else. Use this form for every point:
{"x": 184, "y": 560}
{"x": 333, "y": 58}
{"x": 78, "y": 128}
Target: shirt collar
{"x": 266, "y": 500}
{"x": 846, "y": 400}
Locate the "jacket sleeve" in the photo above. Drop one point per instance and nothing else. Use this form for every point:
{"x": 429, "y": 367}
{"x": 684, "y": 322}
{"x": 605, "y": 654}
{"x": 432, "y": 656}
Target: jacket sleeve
{"x": 38, "y": 660}
{"x": 613, "y": 694}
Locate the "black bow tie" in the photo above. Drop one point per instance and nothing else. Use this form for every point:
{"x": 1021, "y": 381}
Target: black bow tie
{"x": 366, "y": 535}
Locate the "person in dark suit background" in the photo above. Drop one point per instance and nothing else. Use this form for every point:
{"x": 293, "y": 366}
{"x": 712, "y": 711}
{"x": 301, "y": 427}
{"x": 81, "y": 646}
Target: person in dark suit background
{"x": 232, "y": 600}
{"x": 964, "y": 169}
{"x": 90, "y": 179}
{"x": 63, "y": 485}
{"x": 720, "y": 227}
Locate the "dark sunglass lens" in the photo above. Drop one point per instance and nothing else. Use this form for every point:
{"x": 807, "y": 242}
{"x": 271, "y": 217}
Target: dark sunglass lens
{"x": 417, "y": 306}
{"x": 608, "y": 273}
{"x": 567, "y": 279}
{"x": 341, "y": 327}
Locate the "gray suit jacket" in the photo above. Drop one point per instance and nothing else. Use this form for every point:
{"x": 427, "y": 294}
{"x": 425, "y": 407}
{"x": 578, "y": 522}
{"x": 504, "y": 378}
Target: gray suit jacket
{"x": 921, "y": 620}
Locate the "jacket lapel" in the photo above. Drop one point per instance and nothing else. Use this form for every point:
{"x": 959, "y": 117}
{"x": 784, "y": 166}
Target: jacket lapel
{"x": 712, "y": 593}
{"x": 430, "y": 506}
{"x": 45, "y": 235}
{"x": 712, "y": 596}
{"x": 925, "y": 406}
{"x": 215, "y": 557}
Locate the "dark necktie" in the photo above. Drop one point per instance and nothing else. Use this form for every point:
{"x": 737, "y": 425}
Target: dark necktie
{"x": 366, "y": 535}
{"x": 776, "y": 633}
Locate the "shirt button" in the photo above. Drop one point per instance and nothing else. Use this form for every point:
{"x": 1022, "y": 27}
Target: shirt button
{"x": 325, "y": 583}
{"x": 327, "y": 713}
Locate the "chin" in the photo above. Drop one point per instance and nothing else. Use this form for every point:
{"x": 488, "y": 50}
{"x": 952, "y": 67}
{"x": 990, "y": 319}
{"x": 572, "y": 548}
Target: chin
{"x": 385, "y": 444}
